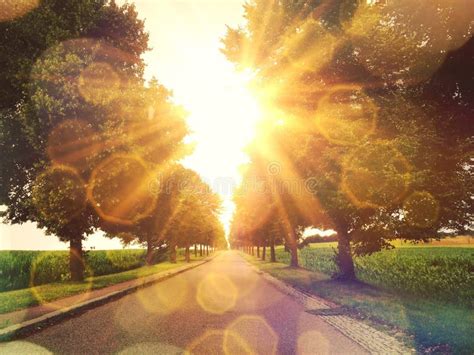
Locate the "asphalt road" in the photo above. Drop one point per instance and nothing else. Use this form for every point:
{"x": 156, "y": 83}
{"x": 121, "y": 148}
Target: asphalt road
{"x": 220, "y": 307}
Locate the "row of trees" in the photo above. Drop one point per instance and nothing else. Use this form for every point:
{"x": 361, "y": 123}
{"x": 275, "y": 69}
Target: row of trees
{"x": 185, "y": 214}
{"x": 368, "y": 126}
{"x": 86, "y": 143}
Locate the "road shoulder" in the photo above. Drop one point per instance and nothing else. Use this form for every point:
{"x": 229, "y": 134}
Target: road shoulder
{"x": 27, "y": 320}
{"x": 370, "y": 338}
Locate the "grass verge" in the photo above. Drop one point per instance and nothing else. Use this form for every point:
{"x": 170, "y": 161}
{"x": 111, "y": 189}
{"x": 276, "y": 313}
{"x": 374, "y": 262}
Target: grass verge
{"x": 442, "y": 274}
{"x": 20, "y": 299}
{"x": 433, "y": 326}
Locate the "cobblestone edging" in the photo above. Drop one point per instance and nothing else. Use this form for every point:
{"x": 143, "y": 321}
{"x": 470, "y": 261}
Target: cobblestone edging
{"x": 32, "y": 325}
{"x": 371, "y": 339}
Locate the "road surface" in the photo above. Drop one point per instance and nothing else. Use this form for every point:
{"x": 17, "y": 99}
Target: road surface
{"x": 223, "y": 306}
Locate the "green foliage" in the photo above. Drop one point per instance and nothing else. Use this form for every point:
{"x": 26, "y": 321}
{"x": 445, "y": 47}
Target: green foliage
{"x": 47, "y": 266}
{"x": 59, "y": 195}
{"x": 431, "y": 273}
{"x": 439, "y": 273}
{"x": 21, "y": 269}
{"x": 430, "y": 322}
{"x": 375, "y": 121}
{"x": 104, "y": 262}
{"x": 185, "y": 213}
{"x": 43, "y": 55}
{"x": 74, "y": 103}
{"x": 16, "y": 268}
{"x": 320, "y": 259}
{"x": 19, "y": 299}
{"x": 195, "y": 211}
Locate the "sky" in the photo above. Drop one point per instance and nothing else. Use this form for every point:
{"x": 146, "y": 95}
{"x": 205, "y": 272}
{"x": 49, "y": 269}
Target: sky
{"x": 185, "y": 57}
{"x": 185, "y": 36}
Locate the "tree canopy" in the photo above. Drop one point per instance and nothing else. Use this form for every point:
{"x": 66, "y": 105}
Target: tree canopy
{"x": 85, "y": 137}
{"x": 366, "y": 107}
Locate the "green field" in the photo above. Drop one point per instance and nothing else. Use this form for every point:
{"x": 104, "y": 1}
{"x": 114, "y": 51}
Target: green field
{"x": 424, "y": 292}
{"x": 30, "y": 278}
{"x": 441, "y": 273}
{"x": 21, "y": 269}
{"x": 28, "y": 297}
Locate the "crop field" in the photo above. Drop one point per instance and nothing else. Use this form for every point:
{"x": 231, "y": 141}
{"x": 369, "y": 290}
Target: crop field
{"x": 21, "y": 269}
{"x": 442, "y": 273}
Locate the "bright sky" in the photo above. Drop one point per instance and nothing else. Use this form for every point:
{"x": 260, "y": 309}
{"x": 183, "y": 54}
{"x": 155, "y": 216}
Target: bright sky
{"x": 185, "y": 36}
{"x": 185, "y": 40}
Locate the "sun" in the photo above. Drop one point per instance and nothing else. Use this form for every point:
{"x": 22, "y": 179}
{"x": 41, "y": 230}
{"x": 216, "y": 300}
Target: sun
{"x": 223, "y": 115}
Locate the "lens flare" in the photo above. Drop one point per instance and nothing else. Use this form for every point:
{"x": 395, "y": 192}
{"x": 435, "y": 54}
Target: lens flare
{"x": 375, "y": 175}
{"x": 408, "y": 40}
{"x": 158, "y": 301}
{"x": 99, "y": 84}
{"x": 59, "y": 194}
{"x": 346, "y": 116}
{"x": 73, "y": 143}
{"x": 312, "y": 342}
{"x": 216, "y": 293}
{"x": 40, "y": 276}
{"x": 303, "y": 53}
{"x": 77, "y": 70}
{"x": 212, "y": 342}
{"x": 254, "y": 333}
{"x": 151, "y": 348}
{"x": 119, "y": 190}
{"x": 13, "y": 9}
{"x": 23, "y": 347}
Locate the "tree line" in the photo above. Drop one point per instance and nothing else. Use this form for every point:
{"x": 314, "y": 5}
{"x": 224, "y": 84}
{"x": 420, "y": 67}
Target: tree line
{"x": 367, "y": 126}
{"x": 86, "y": 143}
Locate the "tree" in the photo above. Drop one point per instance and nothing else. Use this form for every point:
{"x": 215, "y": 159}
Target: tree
{"x": 357, "y": 89}
{"x": 160, "y": 144}
{"x": 186, "y": 213}
{"x": 81, "y": 123}
{"x": 195, "y": 213}
{"x": 271, "y": 203}
{"x": 60, "y": 199}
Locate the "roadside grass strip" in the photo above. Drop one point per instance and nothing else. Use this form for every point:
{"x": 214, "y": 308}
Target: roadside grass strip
{"x": 427, "y": 325}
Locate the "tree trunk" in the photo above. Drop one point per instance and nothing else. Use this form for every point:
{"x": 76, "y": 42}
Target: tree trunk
{"x": 76, "y": 260}
{"x": 187, "y": 255}
{"x": 195, "y": 251}
{"x": 200, "y": 249}
{"x": 293, "y": 248}
{"x": 272, "y": 253}
{"x": 207, "y": 250}
{"x": 149, "y": 253}
{"x": 258, "y": 251}
{"x": 264, "y": 252}
{"x": 344, "y": 256}
{"x": 173, "y": 253}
